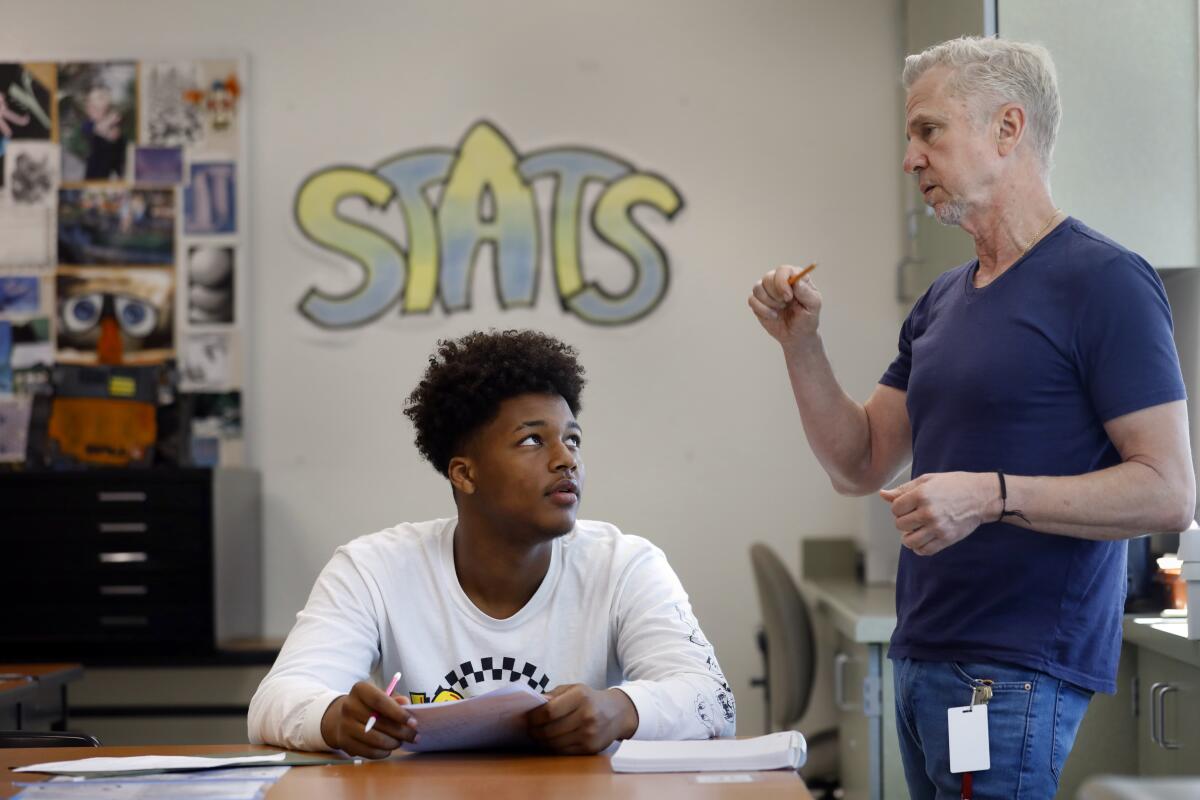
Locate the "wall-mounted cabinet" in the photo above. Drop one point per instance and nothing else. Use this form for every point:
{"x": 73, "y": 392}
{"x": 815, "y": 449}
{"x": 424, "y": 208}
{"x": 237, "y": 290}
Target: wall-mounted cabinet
{"x": 1127, "y": 161}
{"x": 933, "y": 247}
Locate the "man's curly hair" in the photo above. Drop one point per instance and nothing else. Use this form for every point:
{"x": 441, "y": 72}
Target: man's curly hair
{"x": 468, "y": 378}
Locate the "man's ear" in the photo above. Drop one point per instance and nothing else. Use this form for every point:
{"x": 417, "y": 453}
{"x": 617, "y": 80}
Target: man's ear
{"x": 461, "y": 473}
{"x": 1010, "y": 128}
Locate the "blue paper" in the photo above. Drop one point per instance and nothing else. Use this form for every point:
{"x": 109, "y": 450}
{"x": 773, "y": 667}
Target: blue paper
{"x": 19, "y": 294}
{"x": 6, "y": 376}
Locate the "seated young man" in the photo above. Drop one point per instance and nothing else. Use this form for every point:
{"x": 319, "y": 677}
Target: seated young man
{"x": 513, "y": 588}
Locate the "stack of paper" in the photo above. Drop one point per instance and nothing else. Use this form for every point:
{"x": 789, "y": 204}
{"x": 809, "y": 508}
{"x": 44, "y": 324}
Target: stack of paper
{"x": 494, "y": 719}
{"x": 786, "y": 750}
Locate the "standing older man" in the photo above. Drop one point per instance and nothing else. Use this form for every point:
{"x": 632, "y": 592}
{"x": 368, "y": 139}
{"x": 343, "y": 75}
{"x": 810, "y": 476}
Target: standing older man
{"x": 1037, "y": 392}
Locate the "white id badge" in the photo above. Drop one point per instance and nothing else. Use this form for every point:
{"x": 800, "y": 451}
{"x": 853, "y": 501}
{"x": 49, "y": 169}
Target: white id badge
{"x": 969, "y": 750}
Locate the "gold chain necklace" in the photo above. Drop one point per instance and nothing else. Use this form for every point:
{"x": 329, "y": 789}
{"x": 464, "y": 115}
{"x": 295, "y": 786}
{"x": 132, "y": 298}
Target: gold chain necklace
{"x": 1038, "y": 235}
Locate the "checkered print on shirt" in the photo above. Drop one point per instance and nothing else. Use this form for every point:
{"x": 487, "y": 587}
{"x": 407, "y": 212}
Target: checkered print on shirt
{"x": 469, "y": 673}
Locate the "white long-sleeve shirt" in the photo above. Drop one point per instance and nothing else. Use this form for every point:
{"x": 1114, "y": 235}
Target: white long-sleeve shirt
{"x": 610, "y": 613}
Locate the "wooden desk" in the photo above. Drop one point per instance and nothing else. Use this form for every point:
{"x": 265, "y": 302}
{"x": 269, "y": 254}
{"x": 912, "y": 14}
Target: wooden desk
{"x": 32, "y": 693}
{"x": 434, "y": 776}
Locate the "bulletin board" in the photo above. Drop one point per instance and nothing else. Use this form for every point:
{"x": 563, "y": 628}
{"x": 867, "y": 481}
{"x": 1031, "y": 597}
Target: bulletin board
{"x": 123, "y": 241}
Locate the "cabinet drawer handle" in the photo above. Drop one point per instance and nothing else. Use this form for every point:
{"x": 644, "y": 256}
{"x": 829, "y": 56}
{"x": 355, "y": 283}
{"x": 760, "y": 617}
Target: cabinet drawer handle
{"x": 124, "y": 591}
{"x": 125, "y": 622}
{"x": 1154, "y": 689}
{"x": 124, "y": 527}
{"x": 123, "y": 558}
{"x": 839, "y": 683}
{"x": 1163, "y": 741}
{"x": 121, "y": 497}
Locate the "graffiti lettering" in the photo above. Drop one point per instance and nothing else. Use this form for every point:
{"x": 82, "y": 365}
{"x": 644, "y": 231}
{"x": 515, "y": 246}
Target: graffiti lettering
{"x": 488, "y": 198}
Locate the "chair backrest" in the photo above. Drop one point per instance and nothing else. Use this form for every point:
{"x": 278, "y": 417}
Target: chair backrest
{"x": 791, "y": 657}
{"x": 47, "y": 739}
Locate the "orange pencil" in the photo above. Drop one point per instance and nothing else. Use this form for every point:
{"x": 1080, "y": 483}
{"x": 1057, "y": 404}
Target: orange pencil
{"x": 792, "y": 280}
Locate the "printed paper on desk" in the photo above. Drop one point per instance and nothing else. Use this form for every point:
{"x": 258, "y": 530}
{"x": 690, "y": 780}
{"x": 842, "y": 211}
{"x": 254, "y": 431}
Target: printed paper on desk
{"x": 259, "y": 774}
{"x": 494, "y": 719}
{"x": 250, "y": 783}
{"x": 176, "y": 788}
{"x": 117, "y": 764}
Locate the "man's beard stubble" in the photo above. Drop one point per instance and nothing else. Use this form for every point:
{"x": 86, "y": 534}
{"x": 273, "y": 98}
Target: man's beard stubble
{"x": 951, "y": 212}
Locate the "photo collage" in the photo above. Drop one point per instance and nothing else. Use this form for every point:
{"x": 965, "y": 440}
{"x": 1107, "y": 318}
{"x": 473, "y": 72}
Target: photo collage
{"x": 122, "y": 260}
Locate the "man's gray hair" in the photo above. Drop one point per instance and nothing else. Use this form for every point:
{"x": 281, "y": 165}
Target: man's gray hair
{"x": 991, "y": 72}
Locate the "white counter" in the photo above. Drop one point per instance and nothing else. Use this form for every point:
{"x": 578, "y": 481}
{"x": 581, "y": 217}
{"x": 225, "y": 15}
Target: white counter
{"x": 862, "y": 613}
{"x": 1163, "y": 634}
{"x": 867, "y": 614}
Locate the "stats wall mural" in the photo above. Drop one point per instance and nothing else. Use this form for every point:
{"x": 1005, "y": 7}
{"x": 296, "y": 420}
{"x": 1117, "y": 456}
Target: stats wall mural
{"x": 452, "y": 201}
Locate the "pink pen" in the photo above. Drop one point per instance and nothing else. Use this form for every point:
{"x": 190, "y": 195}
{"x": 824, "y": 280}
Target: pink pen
{"x": 391, "y": 687}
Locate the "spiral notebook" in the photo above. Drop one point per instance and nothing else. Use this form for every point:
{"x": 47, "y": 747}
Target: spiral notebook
{"x": 785, "y": 750}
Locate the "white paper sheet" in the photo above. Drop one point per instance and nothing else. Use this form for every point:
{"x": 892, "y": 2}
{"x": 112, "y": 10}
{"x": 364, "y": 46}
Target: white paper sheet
{"x": 494, "y": 719}
{"x": 210, "y": 362}
{"x": 181, "y": 786}
{"x": 26, "y": 355}
{"x": 270, "y": 774}
{"x": 239, "y": 783}
{"x": 26, "y": 236}
{"x": 138, "y": 763}
{"x": 14, "y": 427}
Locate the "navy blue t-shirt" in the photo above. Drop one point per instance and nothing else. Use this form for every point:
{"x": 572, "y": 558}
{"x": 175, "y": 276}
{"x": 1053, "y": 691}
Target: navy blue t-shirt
{"x": 1021, "y": 376}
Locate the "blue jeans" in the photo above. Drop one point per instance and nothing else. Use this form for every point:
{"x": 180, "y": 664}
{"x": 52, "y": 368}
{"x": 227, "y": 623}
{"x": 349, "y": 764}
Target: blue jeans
{"x": 1032, "y": 721}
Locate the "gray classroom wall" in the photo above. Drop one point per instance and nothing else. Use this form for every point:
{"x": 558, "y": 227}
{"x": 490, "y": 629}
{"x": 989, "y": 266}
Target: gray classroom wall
{"x": 780, "y": 124}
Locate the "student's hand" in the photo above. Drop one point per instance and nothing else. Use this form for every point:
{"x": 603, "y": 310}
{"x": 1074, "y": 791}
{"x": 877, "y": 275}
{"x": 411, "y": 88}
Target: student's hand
{"x": 939, "y": 509}
{"x": 580, "y": 720}
{"x": 789, "y": 312}
{"x": 344, "y": 722}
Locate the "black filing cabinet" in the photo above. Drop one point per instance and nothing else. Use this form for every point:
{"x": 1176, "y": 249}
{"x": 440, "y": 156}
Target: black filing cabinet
{"x": 113, "y": 564}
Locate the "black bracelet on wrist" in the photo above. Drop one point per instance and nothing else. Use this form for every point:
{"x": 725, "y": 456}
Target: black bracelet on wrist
{"x": 1004, "y": 512}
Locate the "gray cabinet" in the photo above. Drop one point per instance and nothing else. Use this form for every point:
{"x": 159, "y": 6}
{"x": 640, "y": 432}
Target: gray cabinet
{"x": 863, "y": 617}
{"x": 1107, "y": 741}
{"x": 1127, "y": 160}
{"x": 856, "y": 753}
{"x": 199, "y": 702}
{"x": 868, "y": 747}
{"x": 1169, "y": 729}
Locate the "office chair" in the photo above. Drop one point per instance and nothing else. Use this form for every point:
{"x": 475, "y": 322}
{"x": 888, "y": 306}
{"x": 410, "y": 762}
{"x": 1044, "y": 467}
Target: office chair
{"x": 47, "y": 739}
{"x": 789, "y": 661}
